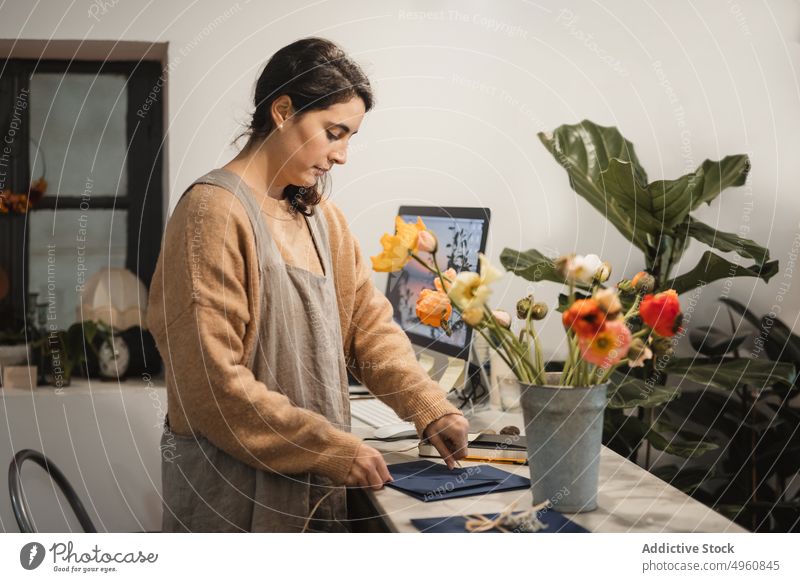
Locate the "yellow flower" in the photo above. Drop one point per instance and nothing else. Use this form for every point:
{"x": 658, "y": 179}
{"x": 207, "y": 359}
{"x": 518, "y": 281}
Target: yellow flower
{"x": 473, "y": 316}
{"x": 470, "y": 291}
{"x": 397, "y": 248}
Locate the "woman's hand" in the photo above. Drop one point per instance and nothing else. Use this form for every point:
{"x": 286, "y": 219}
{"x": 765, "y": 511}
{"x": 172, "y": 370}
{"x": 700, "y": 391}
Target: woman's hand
{"x": 449, "y": 435}
{"x": 368, "y": 469}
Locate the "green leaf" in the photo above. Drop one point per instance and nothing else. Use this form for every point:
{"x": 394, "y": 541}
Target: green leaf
{"x": 708, "y": 409}
{"x": 684, "y": 449}
{"x": 729, "y": 171}
{"x": 75, "y": 343}
{"x": 782, "y": 344}
{"x": 713, "y": 342}
{"x": 629, "y": 431}
{"x": 730, "y": 374}
{"x": 631, "y": 392}
{"x": 590, "y": 147}
{"x": 712, "y": 267}
{"x": 633, "y": 430}
{"x": 585, "y": 150}
{"x": 754, "y": 320}
{"x": 530, "y": 265}
{"x": 726, "y": 241}
{"x": 604, "y": 170}
{"x": 622, "y": 433}
{"x": 685, "y": 479}
{"x": 648, "y": 210}
{"x": 563, "y": 300}
{"x": 90, "y": 330}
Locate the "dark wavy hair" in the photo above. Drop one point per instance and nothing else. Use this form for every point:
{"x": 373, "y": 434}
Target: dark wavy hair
{"x": 315, "y": 73}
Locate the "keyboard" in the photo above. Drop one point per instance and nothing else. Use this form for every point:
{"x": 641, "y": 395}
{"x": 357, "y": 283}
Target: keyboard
{"x": 373, "y": 412}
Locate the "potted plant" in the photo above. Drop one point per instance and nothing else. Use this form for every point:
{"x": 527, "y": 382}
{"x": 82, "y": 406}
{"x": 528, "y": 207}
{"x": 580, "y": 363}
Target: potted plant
{"x": 13, "y": 349}
{"x": 563, "y": 411}
{"x": 63, "y": 352}
{"x": 757, "y": 427}
{"x": 655, "y": 217}
{"x": 19, "y": 337}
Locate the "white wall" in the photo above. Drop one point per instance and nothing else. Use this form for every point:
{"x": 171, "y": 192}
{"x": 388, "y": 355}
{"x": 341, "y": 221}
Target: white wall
{"x": 463, "y": 91}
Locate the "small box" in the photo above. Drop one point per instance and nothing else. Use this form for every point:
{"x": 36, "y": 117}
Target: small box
{"x": 19, "y": 377}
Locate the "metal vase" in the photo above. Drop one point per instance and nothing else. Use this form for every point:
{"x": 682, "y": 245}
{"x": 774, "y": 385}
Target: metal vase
{"x": 564, "y": 428}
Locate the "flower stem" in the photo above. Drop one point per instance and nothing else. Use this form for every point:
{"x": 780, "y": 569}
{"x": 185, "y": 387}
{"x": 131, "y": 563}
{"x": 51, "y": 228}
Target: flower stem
{"x": 610, "y": 371}
{"x": 496, "y": 348}
{"x": 634, "y": 310}
{"x": 538, "y": 360}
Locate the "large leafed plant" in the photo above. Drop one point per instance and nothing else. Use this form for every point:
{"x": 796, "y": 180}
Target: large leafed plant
{"x": 603, "y": 168}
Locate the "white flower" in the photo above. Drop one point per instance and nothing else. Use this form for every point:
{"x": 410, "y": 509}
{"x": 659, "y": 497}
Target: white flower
{"x": 583, "y": 269}
{"x": 470, "y": 291}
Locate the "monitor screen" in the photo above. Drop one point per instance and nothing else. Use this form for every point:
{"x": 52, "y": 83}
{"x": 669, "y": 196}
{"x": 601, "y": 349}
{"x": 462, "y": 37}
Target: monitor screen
{"x": 461, "y": 233}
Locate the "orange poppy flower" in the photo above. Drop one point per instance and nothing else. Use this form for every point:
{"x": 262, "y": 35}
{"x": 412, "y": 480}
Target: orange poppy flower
{"x": 608, "y": 346}
{"x": 584, "y": 317}
{"x": 662, "y": 312}
{"x": 433, "y": 307}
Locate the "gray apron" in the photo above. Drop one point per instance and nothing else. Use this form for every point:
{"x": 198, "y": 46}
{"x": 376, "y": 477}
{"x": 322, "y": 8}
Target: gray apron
{"x": 299, "y": 353}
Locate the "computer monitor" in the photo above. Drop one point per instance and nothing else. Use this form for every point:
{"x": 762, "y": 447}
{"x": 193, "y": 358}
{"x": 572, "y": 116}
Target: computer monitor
{"x": 462, "y": 234}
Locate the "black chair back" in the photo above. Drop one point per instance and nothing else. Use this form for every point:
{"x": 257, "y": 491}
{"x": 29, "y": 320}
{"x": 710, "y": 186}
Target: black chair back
{"x": 22, "y": 512}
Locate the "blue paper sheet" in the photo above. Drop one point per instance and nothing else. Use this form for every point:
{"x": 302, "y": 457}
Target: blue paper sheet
{"x": 429, "y": 481}
{"x": 555, "y": 522}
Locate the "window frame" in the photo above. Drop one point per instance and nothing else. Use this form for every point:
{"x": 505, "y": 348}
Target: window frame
{"x": 145, "y": 141}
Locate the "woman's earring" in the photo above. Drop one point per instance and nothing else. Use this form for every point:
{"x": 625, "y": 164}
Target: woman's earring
{"x": 280, "y": 126}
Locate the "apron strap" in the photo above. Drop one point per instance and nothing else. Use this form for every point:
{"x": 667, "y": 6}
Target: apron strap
{"x": 231, "y": 182}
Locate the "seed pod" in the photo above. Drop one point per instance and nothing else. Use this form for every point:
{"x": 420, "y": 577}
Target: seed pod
{"x": 625, "y": 286}
{"x": 539, "y": 311}
{"x": 523, "y": 306}
{"x": 643, "y": 282}
{"x": 662, "y": 346}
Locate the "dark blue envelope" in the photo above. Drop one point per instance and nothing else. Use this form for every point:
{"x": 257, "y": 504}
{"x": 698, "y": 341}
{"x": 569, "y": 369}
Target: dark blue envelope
{"x": 555, "y": 522}
{"x": 429, "y": 481}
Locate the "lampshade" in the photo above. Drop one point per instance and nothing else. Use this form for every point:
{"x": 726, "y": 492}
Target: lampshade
{"x": 115, "y": 297}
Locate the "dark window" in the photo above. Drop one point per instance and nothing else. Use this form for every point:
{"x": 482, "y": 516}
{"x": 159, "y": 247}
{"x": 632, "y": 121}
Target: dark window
{"x": 96, "y": 132}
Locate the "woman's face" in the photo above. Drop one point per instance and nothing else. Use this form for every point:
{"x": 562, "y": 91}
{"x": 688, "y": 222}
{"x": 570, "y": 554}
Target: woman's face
{"x": 315, "y": 141}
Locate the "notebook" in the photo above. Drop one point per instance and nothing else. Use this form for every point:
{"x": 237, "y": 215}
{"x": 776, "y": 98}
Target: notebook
{"x": 429, "y": 481}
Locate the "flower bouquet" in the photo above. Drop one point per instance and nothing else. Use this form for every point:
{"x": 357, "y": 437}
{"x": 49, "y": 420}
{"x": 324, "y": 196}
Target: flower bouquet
{"x": 605, "y": 328}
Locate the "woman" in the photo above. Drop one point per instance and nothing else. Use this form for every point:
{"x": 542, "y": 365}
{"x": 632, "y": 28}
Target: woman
{"x": 254, "y": 268}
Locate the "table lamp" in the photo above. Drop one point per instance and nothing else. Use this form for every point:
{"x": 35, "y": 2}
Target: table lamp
{"x": 115, "y": 297}
{"x": 118, "y": 299}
